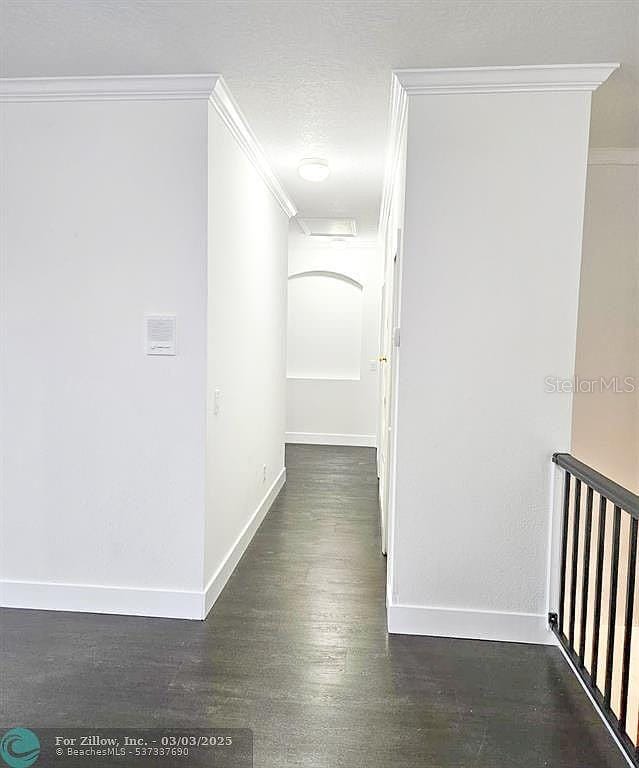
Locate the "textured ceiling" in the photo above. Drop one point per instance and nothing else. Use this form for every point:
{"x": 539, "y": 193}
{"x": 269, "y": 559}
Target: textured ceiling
{"x": 313, "y": 76}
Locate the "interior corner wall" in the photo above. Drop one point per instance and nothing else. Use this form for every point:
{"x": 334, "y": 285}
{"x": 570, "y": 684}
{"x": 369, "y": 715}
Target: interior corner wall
{"x": 103, "y": 220}
{"x": 495, "y": 189}
{"x": 247, "y": 253}
{"x": 605, "y": 430}
{"x": 321, "y": 408}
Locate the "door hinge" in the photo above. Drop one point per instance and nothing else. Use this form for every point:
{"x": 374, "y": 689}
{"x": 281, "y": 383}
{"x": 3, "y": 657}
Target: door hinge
{"x": 396, "y": 337}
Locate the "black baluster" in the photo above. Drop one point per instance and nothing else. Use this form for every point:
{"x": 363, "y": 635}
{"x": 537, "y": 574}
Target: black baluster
{"x": 586, "y": 577}
{"x": 612, "y": 615}
{"x": 564, "y": 553}
{"x": 601, "y": 544}
{"x": 630, "y": 603}
{"x": 574, "y": 565}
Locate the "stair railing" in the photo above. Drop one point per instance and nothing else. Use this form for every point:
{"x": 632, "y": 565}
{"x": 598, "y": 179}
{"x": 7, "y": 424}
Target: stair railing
{"x": 595, "y": 621}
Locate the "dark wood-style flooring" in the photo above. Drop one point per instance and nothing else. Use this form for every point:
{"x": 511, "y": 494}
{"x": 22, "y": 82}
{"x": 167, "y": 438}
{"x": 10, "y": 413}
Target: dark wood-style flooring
{"x": 296, "y": 649}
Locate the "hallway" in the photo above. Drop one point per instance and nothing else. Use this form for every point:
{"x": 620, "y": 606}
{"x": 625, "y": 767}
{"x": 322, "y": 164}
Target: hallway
{"x": 296, "y": 649}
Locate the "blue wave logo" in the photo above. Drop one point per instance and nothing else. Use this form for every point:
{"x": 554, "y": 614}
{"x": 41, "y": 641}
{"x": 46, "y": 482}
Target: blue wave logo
{"x": 19, "y": 748}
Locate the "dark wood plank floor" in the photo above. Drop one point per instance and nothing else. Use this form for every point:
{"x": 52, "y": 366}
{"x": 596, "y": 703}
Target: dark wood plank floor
{"x": 296, "y": 649}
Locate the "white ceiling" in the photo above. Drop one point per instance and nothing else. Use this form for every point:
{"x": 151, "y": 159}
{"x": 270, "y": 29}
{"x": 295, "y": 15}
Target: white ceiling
{"x": 313, "y": 76}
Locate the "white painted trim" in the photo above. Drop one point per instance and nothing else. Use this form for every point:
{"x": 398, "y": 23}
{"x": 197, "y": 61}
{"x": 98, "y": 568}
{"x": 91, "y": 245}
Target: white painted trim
{"x": 398, "y": 111}
{"x": 327, "y": 273}
{"x": 228, "y": 109}
{"x": 153, "y": 88}
{"x": 133, "y": 601}
{"x": 550, "y": 77}
{"x": 108, "y": 88}
{"x": 97, "y": 598}
{"x": 613, "y": 156}
{"x": 218, "y": 581}
{"x": 552, "y": 538}
{"x": 555, "y": 525}
{"x": 469, "y": 624}
{"x": 325, "y": 438}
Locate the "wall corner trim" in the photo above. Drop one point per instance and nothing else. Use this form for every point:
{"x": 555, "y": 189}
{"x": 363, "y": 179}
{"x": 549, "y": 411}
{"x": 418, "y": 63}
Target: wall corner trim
{"x": 503, "y": 626}
{"x": 613, "y": 156}
{"x": 153, "y": 88}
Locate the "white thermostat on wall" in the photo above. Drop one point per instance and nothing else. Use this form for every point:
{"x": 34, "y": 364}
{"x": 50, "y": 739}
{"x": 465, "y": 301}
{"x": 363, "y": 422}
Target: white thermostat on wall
{"x": 160, "y": 333}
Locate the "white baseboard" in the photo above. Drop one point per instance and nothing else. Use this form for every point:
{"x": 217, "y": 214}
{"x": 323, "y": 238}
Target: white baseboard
{"x": 327, "y": 438}
{"x": 132, "y": 601}
{"x": 217, "y": 582}
{"x": 468, "y": 624}
{"x": 95, "y": 598}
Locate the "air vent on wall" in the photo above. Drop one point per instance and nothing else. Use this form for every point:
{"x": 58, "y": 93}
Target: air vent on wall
{"x": 328, "y": 227}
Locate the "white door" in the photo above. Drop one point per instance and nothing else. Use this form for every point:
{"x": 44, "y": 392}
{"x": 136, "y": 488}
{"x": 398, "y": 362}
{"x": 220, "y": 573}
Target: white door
{"x": 388, "y": 363}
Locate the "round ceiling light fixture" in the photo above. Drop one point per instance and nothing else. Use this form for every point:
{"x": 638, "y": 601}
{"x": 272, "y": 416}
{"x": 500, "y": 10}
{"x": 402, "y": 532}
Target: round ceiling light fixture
{"x": 314, "y": 169}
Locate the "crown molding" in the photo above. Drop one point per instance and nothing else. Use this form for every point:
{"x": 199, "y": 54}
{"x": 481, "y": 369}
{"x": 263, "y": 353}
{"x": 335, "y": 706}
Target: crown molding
{"x": 231, "y": 114}
{"x": 107, "y": 88}
{"x": 419, "y": 82}
{"x": 549, "y": 77}
{"x": 206, "y": 87}
{"x": 613, "y": 156}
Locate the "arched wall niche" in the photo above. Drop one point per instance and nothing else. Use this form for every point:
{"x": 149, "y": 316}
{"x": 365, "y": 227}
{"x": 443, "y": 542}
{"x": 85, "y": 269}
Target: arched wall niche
{"x": 324, "y": 326}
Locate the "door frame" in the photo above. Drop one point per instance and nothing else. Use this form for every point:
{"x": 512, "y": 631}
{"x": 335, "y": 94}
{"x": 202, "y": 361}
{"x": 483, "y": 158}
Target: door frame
{"x": 388, "y": 387}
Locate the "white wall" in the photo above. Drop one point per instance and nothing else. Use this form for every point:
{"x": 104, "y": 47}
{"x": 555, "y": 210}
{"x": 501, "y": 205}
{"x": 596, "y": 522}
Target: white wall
{"x": 495, "y": 187}
{"x": 104, "y": 220}
{"x": 121, "y": 490}
{"x": 247, "y": 256}
{"x": 332, "y": 398}
{"x": 606, "y": 423}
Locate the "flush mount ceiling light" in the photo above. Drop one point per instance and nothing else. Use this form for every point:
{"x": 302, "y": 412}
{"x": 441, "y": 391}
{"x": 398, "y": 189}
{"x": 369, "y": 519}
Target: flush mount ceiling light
{"x": 314, "y": 169}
